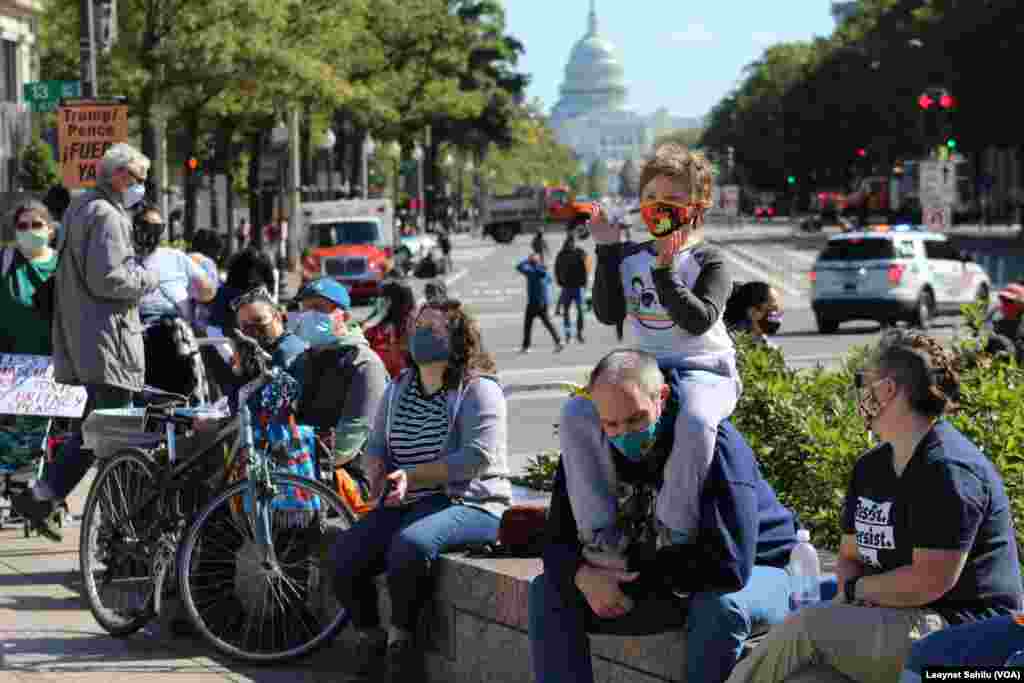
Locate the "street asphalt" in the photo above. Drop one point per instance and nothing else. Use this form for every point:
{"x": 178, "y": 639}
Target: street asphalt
{"x": 48, "y": 634}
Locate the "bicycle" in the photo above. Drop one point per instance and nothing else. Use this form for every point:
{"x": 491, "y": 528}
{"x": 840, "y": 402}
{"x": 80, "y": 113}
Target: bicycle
{"x": 249, "y": 574}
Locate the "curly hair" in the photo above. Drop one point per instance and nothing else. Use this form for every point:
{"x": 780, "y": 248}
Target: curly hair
{"x": 468, "y": 358}
{"x": 919, "y": 364}
{"x": 680, "y": 163}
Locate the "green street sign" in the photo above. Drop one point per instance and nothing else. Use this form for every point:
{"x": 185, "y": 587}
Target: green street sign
{"x": 45, "y": 96}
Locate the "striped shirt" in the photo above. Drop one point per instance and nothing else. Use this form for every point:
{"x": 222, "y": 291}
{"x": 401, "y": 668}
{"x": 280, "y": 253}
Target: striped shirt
{"x": 419, "y": 432}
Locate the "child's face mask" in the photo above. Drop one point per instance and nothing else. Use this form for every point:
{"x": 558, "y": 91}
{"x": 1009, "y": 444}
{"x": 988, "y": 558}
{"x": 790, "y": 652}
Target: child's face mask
{"x": 663, "y": 217}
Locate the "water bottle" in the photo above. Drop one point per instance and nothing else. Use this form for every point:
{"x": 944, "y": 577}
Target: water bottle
{"x": 805, "y": 572}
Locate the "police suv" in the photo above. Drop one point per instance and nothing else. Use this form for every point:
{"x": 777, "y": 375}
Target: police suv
{"x": 890, "y": 275}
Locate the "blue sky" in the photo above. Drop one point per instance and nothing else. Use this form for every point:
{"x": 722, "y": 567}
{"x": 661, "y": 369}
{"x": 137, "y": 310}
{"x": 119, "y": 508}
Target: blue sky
{"x": 681, "y": 55}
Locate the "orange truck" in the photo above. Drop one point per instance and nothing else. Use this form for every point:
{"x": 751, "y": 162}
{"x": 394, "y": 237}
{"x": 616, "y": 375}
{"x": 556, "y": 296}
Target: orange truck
{"x": 356, "y": 242}
{"x": 529, "y": 209}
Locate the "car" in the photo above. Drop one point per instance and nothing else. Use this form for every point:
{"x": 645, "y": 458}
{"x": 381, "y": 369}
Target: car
{"x": 898, "y": 274}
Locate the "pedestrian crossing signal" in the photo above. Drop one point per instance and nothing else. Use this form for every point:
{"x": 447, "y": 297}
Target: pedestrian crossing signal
{"x": 791, "y": 180}
{"x": 951, "y": 143}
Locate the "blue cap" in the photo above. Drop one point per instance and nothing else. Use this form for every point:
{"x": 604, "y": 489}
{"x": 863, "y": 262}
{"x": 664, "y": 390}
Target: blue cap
{"x": 329, "y": 289}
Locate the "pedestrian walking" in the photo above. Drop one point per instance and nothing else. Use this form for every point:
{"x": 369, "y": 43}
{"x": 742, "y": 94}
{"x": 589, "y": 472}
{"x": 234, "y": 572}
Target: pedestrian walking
{"x": 97, "y": 334}
{"x": 538, "y": 298}
{"x": 571, "y": 271}
{"x": 540, "y": 246}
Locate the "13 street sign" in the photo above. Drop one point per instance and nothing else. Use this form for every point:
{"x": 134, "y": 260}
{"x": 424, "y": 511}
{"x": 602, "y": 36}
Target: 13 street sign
{"x": 45, "y": 96}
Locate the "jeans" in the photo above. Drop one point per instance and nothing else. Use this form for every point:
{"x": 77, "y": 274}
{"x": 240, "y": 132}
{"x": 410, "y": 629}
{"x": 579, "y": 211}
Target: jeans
{"x": 405, "y": 542}
{"x": 537, "y": 311}
{"x": 567, "y": 297}
{"x": 991, "y": 642}
{"x": 74, "y": 461}
{"x": 717, "y": 624}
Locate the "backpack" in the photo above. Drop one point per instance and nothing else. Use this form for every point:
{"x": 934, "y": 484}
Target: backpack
{"x": 326, "y": 375}
{"x": 571, "y": 268}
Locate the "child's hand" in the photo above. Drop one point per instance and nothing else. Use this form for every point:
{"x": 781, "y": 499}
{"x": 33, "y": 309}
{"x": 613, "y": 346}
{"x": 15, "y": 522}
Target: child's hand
{"x": 669, "y": 246}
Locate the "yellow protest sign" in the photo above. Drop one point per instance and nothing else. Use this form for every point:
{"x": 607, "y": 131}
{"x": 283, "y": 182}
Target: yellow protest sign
{"x": 85, "y": 131}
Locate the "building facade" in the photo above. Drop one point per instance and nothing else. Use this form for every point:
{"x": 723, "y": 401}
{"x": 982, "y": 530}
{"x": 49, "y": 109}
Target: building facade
{"x": 18, "y": 65}
{"x": 591, "y": 115}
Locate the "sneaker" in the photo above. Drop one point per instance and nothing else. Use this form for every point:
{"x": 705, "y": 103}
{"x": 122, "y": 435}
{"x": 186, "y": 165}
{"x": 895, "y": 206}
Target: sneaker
{"x": 524, "y": 350}
{"x": 559, "y": 347}
{"x": 579, "y": 338}
{"x": 371, "y": 651}
{"x": 39, "y": 514}
{"x": 405, "y": 662}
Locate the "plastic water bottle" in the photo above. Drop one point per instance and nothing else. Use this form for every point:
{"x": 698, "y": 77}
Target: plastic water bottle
{"x": 805, "y": 572}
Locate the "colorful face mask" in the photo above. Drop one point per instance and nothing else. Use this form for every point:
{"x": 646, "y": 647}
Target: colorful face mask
{"x": 664, "y": 218}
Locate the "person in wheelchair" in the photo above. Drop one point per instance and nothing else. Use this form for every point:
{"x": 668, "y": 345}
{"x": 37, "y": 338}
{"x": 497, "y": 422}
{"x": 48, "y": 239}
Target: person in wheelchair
{"x": 173, "y": 363}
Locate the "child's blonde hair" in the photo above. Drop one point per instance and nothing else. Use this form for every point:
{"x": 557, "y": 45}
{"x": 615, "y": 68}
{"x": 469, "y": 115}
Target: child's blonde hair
{"x": 682, "y": 164}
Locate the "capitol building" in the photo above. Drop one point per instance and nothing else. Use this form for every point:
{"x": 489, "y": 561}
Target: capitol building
{"x": 591, "y": 115}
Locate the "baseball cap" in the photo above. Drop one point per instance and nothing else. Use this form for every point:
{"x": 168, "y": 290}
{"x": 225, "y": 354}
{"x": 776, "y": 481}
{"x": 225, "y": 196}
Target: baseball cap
{"x": 329, "y": 289}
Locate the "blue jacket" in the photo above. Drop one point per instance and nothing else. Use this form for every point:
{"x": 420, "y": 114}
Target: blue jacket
{"x": 742, "y": 524}
{"x": 538, "y": 282}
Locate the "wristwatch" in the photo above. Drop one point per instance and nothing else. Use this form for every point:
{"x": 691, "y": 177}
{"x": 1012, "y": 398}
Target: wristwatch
{"x": 850, "y": 589}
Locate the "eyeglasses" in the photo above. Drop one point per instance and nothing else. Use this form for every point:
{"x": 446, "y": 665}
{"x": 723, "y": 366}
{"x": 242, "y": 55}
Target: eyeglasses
{"x": 150, "y": 225}
{"x": 664, "y": 217}
{"x": 135, "y": 176}
{"x": 252, "y": 296}
{"x": 33, "y": 225}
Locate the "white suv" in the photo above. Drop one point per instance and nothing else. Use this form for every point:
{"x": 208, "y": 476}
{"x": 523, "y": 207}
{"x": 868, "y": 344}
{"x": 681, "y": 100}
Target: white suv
{"x": 901, "y": 274}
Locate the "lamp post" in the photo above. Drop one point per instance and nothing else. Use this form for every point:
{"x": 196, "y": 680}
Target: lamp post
{"x": 394, "y": 150}
{"x": 330, "y": 139}
{"x": 279, "y": 140}
{"x": 369, "y": 147}
{"x": 417, "y": 154}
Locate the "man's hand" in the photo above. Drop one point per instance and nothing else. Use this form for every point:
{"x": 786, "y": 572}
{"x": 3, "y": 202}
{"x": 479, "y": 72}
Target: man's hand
{"x": 603, "y": 231}
{"x": 601, "y": 589}
{"x": 399, "y": 487}
{"x": 669, "y": 246}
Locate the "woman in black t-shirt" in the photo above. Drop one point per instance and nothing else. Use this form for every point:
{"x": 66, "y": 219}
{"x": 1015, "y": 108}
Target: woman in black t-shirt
{"x": 928, "y": 538}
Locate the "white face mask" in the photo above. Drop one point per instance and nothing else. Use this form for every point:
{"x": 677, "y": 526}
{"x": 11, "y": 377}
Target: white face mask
{"x": 133, "y": 195}
{"x": 31, "y": 241}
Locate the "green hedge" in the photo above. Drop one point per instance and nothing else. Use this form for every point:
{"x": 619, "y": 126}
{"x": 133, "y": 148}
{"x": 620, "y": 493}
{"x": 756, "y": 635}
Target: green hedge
{"x": 804, "y": 427}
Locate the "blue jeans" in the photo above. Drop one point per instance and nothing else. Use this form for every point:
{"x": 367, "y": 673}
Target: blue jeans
{"x": 404, "y": 542}
{"x": 991, "y": 642}
{"x": 717, "y": 624}
{"x": 567, "y": 297}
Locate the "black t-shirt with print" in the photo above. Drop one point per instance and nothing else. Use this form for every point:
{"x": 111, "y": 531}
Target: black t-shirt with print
{"x": 950, "y": 497}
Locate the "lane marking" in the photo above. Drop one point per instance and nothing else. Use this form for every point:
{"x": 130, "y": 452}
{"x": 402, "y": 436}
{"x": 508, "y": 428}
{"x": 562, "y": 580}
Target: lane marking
{"x": 761, "y": 275}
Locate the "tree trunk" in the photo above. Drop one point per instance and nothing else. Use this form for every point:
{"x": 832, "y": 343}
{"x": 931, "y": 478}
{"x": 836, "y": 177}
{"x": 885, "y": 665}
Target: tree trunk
{"x": 306, "y": 133}
{"x": 229, "y": 204}
{"x": 255, "y": 190}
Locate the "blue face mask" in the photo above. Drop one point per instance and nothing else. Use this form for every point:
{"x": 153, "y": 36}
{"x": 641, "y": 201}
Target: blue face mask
{"x": 315, "y": 328}
{"x": 426, "y": 347}
{"x": 133, "y": 195}
{"x": 636, "y": 445}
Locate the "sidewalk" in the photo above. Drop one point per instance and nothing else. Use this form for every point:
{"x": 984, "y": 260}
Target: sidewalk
{"x": 47, "y": 632}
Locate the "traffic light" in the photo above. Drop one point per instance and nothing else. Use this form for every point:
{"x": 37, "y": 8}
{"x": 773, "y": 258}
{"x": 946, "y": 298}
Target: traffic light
{"x": 947, "y": 101}
{"x": 791, "y": 179}
{"x": 192, "y": 164}
{"x": 925, "y": 101}
{"x": 951, "y": 143}
{"x": 862, "y": 152}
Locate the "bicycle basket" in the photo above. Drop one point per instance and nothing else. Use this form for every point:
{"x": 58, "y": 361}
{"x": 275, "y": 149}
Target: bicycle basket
{"x": 106, "y": 432}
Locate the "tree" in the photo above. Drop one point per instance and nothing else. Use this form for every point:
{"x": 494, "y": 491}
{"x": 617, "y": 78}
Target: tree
{"x": 597, "y": 179}
{"x": 534, "y": 157}
{"x": 629, "y": 179}
{"x": 38, "y": 171}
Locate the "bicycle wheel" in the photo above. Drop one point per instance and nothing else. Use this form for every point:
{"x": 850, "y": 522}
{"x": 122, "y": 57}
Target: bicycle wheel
{"x": 113, "y": 551}
{"x": 259, "y": 611}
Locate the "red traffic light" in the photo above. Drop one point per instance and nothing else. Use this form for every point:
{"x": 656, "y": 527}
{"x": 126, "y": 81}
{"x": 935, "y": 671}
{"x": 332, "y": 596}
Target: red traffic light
{"x": 192, "y": 163}
{"x": 862, "y": 152}
{"x": 947, "y": 102}
{"x": 925, "y": 101}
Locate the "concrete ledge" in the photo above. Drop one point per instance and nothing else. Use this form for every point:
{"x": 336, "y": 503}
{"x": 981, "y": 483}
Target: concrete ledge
{"x": 475, "y": 630}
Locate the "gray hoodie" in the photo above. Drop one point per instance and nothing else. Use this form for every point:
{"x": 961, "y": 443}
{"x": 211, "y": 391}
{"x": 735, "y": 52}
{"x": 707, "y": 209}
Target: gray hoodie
{"x": 476, "y": 450}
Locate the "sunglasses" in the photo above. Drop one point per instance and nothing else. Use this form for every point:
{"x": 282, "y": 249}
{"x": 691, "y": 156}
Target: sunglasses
{"x": 663, "y": 218}
{"x": 33, "y": 225}
{"x": 252, "y": 296}
{"x": 135, "y": 176}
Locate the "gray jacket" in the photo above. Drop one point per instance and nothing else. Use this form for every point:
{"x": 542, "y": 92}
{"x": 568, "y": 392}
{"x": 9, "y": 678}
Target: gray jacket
{"x": 477, "y": 447}
{"x": 97, "y": 335}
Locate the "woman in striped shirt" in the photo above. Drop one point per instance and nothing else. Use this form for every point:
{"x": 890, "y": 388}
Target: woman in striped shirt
{"x": 439, "y": 443}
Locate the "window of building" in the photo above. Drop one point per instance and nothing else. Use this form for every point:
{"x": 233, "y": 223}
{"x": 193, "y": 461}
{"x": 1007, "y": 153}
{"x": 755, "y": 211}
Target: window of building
{"x": 8, "y": 71}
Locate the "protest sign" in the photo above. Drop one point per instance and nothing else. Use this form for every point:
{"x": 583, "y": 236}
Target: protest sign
{"x": 27, "y": 388}
{"x": 86, "y": 129}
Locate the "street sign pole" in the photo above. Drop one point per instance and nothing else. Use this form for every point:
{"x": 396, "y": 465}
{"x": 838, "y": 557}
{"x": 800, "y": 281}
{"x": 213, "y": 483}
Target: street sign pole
{"x": 87, "y": 49}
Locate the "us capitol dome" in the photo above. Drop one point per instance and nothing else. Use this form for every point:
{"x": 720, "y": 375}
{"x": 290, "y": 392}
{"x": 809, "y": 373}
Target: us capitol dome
{"x": 591, "y": 115}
